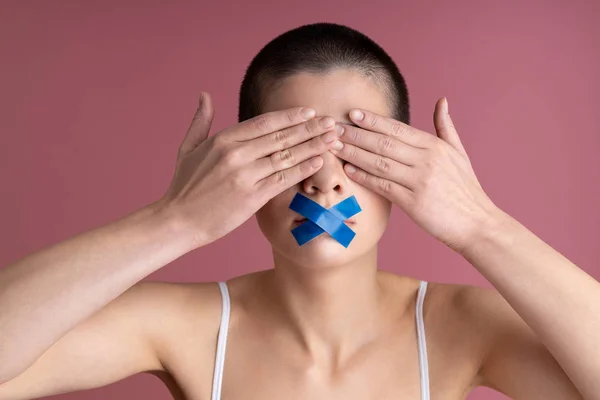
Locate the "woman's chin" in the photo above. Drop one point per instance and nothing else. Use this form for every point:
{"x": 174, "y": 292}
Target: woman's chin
{"x": 322, "y": 251}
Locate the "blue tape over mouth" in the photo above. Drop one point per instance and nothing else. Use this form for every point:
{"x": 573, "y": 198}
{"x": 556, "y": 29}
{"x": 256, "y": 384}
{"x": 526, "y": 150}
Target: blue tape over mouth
{"x": 321, "y": 219}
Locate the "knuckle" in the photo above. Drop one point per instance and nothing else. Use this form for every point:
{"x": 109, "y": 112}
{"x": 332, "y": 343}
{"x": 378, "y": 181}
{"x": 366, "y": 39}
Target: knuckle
{"x": 428, "y": 164}
{"x": 217, "y": 141}
{"x": 432, "y": 159}
{"x": 232, "y": 157}
{"x": 312, "y": 127}
{"x": 286, "y": 155}
{"x": 280, "y": 178}
{"x": 284, "y": 158}
{"x": 291, "y": 117}
{"x": 354, "y": 134}
{"x": 398, "y": 130}
{"x": 382, "y": 164}
{"x": 262, "y": 123}
{"x": 281, "y": 137}
{"x": 386, "y": 144}
{"x": 384, "y": 185}
{"x": 372, "y": 120}
{"x": 425, "y": 180}
{"x": 428, "y": 182}
{"x": 308, "y": 127}
{"x": 219, "y": 144}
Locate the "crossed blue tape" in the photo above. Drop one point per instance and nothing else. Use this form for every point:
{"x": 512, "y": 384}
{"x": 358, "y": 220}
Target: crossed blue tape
{"x": 321, "y": 219}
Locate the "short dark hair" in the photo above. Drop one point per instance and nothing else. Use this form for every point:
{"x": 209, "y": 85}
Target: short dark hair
{"x": 319, "y": 48}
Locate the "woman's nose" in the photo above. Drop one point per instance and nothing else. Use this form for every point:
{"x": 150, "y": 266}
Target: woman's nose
{"x": 330, "y": 177}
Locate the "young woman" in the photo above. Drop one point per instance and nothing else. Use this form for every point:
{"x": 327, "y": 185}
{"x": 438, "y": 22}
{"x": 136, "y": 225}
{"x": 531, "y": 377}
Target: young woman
{"x": 324, "y": 112}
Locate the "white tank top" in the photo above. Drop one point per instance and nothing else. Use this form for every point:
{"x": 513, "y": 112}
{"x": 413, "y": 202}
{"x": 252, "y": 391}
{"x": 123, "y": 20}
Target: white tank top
{"x": 222, "y": 343}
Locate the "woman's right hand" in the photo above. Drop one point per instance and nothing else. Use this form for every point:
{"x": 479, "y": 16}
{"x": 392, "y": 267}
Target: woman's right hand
{"x": 223, "y": 180}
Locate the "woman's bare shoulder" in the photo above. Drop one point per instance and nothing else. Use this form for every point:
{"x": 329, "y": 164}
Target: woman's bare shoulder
{"x": 188, "y": 303}
{"x": 177, "y": 309}
{"x": 458, "y": 306}
{"x": 465, "y": 303}
{"x": 185, "y": 317}
{"x": 202, "y": 300}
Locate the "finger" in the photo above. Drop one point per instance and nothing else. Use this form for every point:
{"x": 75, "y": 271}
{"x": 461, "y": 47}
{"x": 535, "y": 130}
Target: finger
{"x": 394, "y": 192}
{"x": 445, "y": 127}
{"x": 288, "y": 137}
{"x": 269, "y": 122}
{"x": 388, "y": 126}
{"x": 287, "y": 158}
{"x": 377, "y": 165}
{"x": 276, "y": 183}
{"x": 200, "y": 126}
{"x": 379, "y": 143}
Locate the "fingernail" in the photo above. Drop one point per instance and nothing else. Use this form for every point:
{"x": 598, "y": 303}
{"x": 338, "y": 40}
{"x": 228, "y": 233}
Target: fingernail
{"x": 339, "y": 129}
{"x": 327, "y": 122}
{"x": 308, "y": 113}
{"x": 316, "y": 162}
{"x": 350, "y": 169}
{"x": 338, "y": 145}
{"x": 446, "y": 105}
{"x": 357, "y": 115}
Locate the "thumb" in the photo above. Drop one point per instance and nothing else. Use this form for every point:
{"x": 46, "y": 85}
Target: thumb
{"x": 445, "y": 127}
{"x": 200, "y": 126}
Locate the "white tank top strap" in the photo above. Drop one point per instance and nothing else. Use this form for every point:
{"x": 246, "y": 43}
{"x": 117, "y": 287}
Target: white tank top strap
{"x": 424, "y": 366}
{"x": 221, "y": 343}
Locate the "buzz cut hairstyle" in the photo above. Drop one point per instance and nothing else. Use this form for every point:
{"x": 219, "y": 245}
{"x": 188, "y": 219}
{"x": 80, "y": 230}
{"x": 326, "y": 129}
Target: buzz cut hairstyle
{"x": 320, "y": 48}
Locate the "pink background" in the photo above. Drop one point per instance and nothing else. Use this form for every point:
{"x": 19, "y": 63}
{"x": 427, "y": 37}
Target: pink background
{"x": 96, "y": 98}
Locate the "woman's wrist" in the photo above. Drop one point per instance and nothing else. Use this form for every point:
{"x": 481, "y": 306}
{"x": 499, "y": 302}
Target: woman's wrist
{"x": 176, "y": 225}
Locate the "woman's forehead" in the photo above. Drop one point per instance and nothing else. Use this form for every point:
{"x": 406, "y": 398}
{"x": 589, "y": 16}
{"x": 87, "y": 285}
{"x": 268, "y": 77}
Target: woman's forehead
{"x": 333, "y": 93}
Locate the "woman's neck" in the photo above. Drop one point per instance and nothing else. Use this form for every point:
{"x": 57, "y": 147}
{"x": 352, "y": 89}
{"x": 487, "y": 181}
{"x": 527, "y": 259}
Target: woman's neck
{"x": 335, "y": 310}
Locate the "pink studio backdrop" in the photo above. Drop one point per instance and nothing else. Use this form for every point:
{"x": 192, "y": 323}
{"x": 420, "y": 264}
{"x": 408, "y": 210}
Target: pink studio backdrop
{"x": 96, "y": 98}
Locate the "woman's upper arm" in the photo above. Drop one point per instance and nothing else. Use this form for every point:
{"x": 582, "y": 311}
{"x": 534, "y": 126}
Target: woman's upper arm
{"x": 121, "y": 339}
{"x": 515, "y": 362}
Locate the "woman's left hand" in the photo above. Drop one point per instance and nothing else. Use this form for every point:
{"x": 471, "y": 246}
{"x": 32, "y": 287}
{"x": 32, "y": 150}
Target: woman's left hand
{"x": 428, "y": 176}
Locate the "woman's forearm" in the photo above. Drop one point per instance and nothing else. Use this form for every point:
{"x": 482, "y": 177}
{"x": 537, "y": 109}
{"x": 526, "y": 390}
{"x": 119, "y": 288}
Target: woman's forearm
{"x": 557, "y": 299}
{"x": 47, "y": 293}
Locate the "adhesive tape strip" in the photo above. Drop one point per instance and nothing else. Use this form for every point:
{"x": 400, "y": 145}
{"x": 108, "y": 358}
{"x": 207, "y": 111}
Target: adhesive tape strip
{"x": 322, "y": 220}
